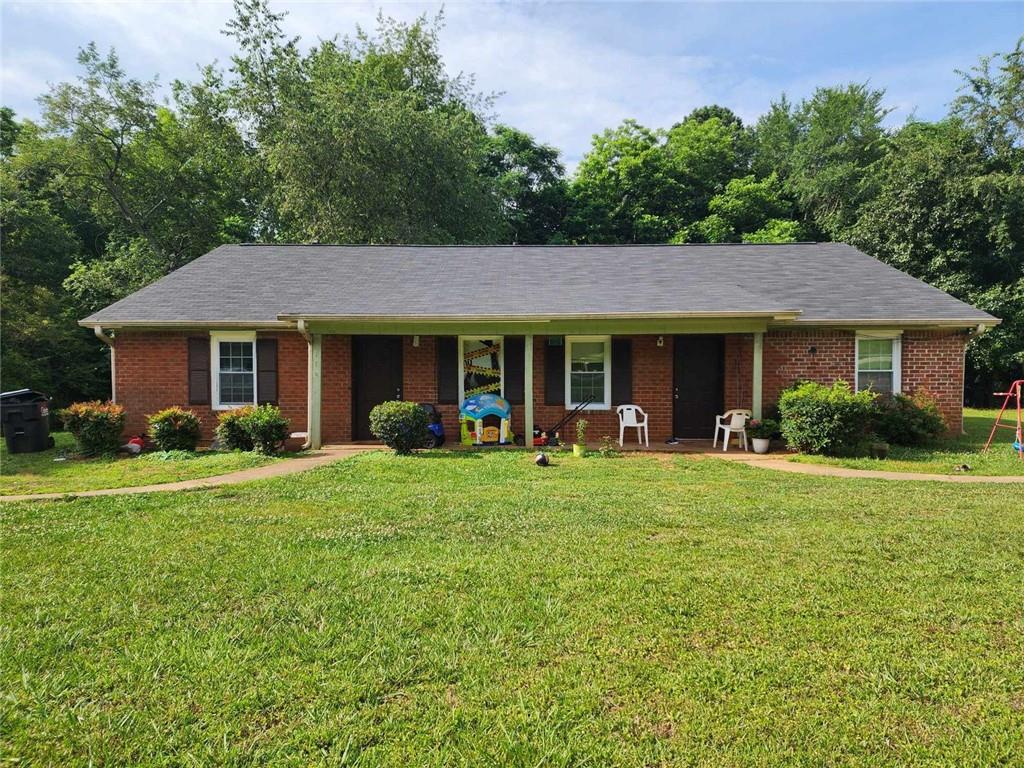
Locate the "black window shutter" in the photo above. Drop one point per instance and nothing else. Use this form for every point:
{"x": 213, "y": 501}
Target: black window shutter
{"x": 515, "y": 368}
{"x": 266, "y": 371}
{"x": 554, "y": 372}
{"x": 199, "y": 370}
{"x": 447, "y": 369}
{"x": 622, "y": 371}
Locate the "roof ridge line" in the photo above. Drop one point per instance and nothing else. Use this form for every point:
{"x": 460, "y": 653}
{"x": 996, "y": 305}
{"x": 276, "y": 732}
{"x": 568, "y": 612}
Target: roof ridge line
{"x": 520, "y": 245}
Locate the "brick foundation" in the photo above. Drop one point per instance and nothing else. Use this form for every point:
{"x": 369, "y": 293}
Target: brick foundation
{"x": 152, "y": 374}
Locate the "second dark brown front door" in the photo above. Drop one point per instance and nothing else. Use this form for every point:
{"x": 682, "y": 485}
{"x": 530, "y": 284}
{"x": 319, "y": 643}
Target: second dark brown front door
{"x": 376, "y": 378}
{"x": 698, "y": 372}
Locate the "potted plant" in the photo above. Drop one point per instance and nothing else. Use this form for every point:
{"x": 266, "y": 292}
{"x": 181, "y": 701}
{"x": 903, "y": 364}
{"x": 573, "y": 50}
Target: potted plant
{"x": 761, "y": 432}
{"x": 579, "y": 448}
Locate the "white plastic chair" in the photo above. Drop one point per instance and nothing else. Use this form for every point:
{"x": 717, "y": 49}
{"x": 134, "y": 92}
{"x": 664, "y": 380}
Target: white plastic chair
{"x": 730, "y": 423}
{"x": 633, "y": 416}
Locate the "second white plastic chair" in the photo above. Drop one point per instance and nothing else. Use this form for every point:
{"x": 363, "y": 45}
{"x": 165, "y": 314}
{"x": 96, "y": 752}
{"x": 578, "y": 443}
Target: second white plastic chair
{"x": 633, "y": 416}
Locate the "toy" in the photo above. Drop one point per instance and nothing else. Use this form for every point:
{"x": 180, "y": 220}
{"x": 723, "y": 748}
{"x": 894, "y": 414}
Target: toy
{"x": 435, "y": 429}
{"x": 1015, "y": 393}
{"x": 477, "y": 416}
{"x": 541, "y": 460}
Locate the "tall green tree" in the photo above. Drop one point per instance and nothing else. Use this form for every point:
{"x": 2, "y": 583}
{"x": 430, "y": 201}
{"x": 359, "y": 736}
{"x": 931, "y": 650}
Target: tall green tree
{"x": 41, "y": 346}
{"x": 839, "y": 138}
{"x": 380, "y": 144}
{"x": 530, "y": 183}
{"x": 619, "y": 187}
{"x": 941, "y": 216}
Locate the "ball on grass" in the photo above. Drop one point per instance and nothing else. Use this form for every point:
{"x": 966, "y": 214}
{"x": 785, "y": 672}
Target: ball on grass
{"x": 541, "y": 460}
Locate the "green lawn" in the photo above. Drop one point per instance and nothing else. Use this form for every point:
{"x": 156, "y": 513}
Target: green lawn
{"x": 39, "y": 473}
{"x": 474, "y": 609}
{"x": 942, "y": 458}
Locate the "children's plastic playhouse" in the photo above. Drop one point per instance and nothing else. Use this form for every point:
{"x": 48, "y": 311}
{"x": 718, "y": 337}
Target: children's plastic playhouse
{"x": 486, "y": 419}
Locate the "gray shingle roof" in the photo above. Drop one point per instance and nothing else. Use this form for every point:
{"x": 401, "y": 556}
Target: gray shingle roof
{"x": 825, "y": 282}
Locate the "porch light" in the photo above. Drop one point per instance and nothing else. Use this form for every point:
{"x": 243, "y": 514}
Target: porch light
{"x": 661, "y": 341}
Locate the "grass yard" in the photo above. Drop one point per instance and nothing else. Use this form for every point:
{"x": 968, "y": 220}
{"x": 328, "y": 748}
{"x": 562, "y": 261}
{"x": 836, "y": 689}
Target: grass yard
{"x": 942, "y": 458}
{"x": 473, "y": 609}
{"x": 39, "y": 473}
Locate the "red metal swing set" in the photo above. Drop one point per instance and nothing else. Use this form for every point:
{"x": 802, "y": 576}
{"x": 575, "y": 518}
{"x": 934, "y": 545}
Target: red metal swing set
{"x": 1015, "y": 392}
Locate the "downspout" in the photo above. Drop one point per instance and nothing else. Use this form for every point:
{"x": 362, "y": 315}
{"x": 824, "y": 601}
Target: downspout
{"x": 309, "y": 383}
{"x": 109, "y": 341}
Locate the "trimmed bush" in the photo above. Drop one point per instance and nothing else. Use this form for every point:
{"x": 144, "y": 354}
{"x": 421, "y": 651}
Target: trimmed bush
{"x": 261, "y": 428}
{"x": 174, "y": 429}
{"x": 834, "y": 421}
{"x": 266, "y": 428}
{"x": 908, "y": 419}
{"x": 231, "y": 432}
{"x": 401, "y": 425}
{"x": 97, "y": 426}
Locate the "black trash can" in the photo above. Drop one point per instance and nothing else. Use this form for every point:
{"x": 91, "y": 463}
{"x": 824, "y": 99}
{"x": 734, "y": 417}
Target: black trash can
{"x": 25, "y": 415}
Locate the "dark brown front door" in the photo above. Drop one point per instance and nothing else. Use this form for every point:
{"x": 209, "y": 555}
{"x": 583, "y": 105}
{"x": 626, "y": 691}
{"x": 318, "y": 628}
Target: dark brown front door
{"x": 376, "y": 377}
{"x": 698, "y": 372}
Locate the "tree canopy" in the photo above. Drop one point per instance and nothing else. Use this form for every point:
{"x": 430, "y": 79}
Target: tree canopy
{"x": 367, "y": 138}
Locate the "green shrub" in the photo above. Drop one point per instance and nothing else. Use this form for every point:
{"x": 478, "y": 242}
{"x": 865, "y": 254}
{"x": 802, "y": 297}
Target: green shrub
{"x": 97, "y": 426}
{"x": 231, "y": 432}
{"x": 763, "y": 428}
{"x": 401, "y": 425}
{"x": 266, "y": 428}
{"x": 908, "y": 419}
{"x": 834, "y": 421}
{"x": 174, "y": 429}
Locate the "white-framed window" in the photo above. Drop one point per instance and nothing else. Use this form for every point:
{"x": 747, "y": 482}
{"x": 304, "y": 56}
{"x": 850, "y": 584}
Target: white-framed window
{"x": 481, "y": 366}
{"x": 588, "y": 371}
{"x": 879, "y": 362}
{"x": 233, "y": 360}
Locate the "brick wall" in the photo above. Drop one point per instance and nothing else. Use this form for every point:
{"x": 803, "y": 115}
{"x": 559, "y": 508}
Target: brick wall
{"x": 336, "y": 389}
{"x": 739, "y": 370}
{"x": 652, "y": 388}
{"x": 791, "y": 356}
{"x": 934, "y": 361}
{"x": 152, "y": 373}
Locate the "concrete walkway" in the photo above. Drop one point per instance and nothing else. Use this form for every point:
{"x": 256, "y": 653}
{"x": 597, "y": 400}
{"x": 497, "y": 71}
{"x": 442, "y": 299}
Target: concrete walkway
{"x": 301, "y": 463}
{"x": 330, "y": 454}
{"x": 823, "y": 470}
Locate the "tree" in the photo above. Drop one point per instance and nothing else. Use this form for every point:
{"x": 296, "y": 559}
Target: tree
{"x": 530, "y": 183}
{"x": 41, "y": 345}
{"x": 381, "y": 145}
{"x": 991, "y": 101}
{"x": 777, "y": 231}
{"x": 101, "y": 115}
{"x": 774, "y": 138}
{"x": 942, "y": 215}
{"x": 745, "y": 206}
{"x": 724, "y": 115}
{"x": 620, "y": 186}
{"x": 839, "y": 137}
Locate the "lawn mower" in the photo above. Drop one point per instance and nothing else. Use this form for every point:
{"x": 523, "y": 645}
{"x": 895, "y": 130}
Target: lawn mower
{"x": 548, "y": 437}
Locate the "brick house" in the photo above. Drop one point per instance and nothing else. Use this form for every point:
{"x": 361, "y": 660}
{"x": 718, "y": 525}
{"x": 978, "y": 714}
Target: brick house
{"x": 326, "y": 332}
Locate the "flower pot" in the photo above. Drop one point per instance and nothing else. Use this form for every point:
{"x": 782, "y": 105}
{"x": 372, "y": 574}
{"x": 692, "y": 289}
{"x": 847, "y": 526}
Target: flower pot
{"x": 762, "y": 444}
{"x": 579, "y": 450}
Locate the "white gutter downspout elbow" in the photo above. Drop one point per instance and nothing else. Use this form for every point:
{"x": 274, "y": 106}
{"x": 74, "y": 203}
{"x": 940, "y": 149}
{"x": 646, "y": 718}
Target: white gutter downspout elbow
{"x": 109, "y": 341}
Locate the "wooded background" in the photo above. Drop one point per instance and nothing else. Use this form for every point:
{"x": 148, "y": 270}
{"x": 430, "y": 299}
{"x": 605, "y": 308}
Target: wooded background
{"x": 367, "y": 138}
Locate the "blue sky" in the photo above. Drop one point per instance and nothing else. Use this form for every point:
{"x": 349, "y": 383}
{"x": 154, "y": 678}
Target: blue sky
{"x": 565, "y": 70}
